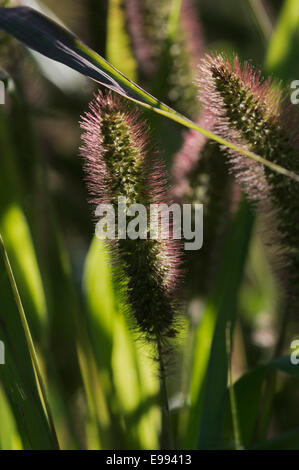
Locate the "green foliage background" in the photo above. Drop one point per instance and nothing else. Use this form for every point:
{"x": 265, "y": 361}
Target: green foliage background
{"x": 102, "y": 387}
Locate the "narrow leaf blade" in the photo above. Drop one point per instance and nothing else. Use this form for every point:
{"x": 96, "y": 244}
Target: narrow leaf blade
{"x": 50, "y": 39}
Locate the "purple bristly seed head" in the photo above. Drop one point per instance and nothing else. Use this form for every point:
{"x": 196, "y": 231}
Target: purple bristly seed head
{"x": 252, "y": 113}
{"x": 119, "y": 162}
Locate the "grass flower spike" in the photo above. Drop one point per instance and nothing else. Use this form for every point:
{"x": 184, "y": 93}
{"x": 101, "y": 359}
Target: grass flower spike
{"x": 118, "y": 162}
{"x": 253, "y": 112}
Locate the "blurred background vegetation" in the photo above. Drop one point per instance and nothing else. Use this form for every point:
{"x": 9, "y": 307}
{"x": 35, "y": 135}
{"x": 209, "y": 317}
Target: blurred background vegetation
{"x": 102, "y": 388}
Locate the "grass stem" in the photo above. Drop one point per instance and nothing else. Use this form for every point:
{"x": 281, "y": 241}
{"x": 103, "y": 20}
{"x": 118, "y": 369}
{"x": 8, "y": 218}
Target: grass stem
{"x": 167, "y": 438}
{"x": 233, "y": 401}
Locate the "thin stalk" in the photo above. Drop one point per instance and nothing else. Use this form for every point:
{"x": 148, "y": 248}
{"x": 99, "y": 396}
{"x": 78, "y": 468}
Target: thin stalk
{"x": 262, "y": 19}
{"x": 30, "y": 343}
{"x": 233, "y": 401}
{"x": 186, "y": 374}
{"x": 167, "y": 439}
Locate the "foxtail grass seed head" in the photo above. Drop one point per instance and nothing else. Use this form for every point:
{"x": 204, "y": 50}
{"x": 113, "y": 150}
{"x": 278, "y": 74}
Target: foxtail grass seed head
{"x": 119, "y": 162}
{"x": 252, "y": 112}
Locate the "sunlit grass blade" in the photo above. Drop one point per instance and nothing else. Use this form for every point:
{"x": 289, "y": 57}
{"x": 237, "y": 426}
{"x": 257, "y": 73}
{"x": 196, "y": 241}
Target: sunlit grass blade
{"x": 16, "y": 232}
{"x": 57, "y": 349}
{"x": 47, "y": 37}
{"x": 9, "y": 436}
{"x": 118, "y": 358}
{"x": 20, "y": 375}
{"x": 17, "y": 236}
{"x": 283, "y": 48}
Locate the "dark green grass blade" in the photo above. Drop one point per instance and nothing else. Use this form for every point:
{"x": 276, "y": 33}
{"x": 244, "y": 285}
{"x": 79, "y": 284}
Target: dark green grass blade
{"x": 15, "y": 229}
{"x": 248, "y": 391}
{"x": 282, "y": 56}
{"x": 248, "y": 397}
{"x": 45, "y": 36}
{"x": 209, "y": 371}
{"x": 285, "y": 441}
